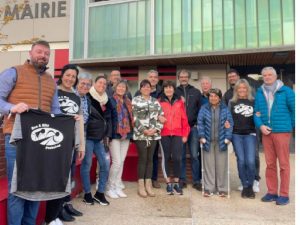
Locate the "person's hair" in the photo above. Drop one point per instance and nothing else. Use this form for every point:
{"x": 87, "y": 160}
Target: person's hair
{"x": 144, "y": 83}
{"x": 121, "y": 82}
{"x": 152, "y": 71}
{"x": 169, "y": 83}
{"x": 183, "y": 71}
{"x": 216, "y": 91}
{"x": 100, "y": 77}
{"x": 64, "y": 69}
{"x": 85, "y": 76}
{"x": 41, "y": 42}
{"x": 233, "y": 71}
{"x": 270, "y": 68}
{"x": 237, "y": 85}
{"x": 205, "y": 78}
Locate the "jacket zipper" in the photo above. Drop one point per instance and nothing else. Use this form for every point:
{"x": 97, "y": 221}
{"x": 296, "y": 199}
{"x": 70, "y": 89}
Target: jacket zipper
{"x": 40, "y": 92}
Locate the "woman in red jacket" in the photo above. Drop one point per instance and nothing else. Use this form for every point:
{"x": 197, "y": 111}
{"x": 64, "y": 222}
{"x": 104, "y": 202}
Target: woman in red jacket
{"x": 174, "y": 133}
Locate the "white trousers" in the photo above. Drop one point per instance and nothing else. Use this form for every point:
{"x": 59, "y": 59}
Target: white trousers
{"x": 118, "y": 151}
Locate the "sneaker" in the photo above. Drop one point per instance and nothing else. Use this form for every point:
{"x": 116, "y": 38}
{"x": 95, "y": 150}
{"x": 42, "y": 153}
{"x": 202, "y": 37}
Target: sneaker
{"x": 155, "y": 184}
{"x": 222, "y": 194}
{"x": 182, "y": 184}
{"x": 197, "y": 186}
{"x": 120, "y": 193}
{"x": 208, "y": 193}
{"x": 244, "y": 193}
{"x": 100, "y": 198}
{"x": 169, "y": 189}
{"x": 282, "y": 200}
{"x": 269, "y": 198}
{"x": 111, "y": 194}
{"x": 58, "y": 222}
{"x": 53, "y": 222}
{"x": 177, "y": 189}
{"x": 121, "y": 185}
{"x": 256, "y": 186}
{"x": 88, "y": 199}
{"x": 240, "y": 188}
{"x": 251, "y": 193}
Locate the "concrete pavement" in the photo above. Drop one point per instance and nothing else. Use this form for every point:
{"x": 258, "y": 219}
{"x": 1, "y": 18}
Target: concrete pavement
{"x": 191, "y": 208}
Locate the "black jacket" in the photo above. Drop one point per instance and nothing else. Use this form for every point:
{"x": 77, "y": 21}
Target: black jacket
{"x": 192, "y": 103}
{"x": 228, "y": 95}
{"x": 99, "y": 122}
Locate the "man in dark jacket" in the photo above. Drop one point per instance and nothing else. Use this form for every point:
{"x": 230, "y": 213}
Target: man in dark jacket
{"x": 192, "y": 98}
{"x": 232, "y": 77}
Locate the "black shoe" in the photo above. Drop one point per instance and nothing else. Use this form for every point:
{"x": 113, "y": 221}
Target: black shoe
{"x": 244, "y": 193}
{"x": 65, "y": 216}
{"x": 88, "y": 199}
{"x": 197, "y": 186}
{"x": 177, "y": 189}
{"x": 182, "y": 184}
{"x": 251, "y": 193}
{"x": 73, "y": 212}
{"x": 100, "y": 198}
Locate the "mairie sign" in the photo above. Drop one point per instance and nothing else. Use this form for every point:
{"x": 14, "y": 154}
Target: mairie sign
{"x": 37, "y": 10}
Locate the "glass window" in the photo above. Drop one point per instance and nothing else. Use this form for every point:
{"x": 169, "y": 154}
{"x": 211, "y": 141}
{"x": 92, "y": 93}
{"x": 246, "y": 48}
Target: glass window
{"x": 240, "y": 24}
{"x": 196, "y": 26}
{"x": 251, "y": 23}
{"x": 217, "y": 25}
{"x": 207, "y": 24}
{"x": 288, "y": 16}
{"x": 275, "y": 22}
{"x": 228, "y": 24}
{"x": 263, "y": 23}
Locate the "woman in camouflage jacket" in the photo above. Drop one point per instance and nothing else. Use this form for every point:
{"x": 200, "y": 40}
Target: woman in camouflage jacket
{"x": 146, "y": 133}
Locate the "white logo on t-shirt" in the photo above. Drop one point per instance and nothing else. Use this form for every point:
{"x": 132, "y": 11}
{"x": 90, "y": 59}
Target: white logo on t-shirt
{"x": 68, "y": 106}
{"x": 47, "y": 136}
{"x": 245, "y": 110}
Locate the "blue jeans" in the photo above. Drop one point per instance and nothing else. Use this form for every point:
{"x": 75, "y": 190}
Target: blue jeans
{"x": 194, "y": 147}
{"x": 96, "y": 147}
{"x": 19, "y": 211}
{"x": 245, "y": 147}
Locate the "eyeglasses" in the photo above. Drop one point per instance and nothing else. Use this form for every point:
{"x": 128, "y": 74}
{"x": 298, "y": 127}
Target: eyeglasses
{"x": 85, "y": 84}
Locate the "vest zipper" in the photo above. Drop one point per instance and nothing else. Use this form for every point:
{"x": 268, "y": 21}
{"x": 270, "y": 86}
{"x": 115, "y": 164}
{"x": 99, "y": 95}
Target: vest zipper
{"x": 40, "y": 92}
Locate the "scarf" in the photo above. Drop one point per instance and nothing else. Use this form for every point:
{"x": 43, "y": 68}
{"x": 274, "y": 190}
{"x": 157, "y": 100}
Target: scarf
{"x": 125, "y": 118}
{"x": 269, "y": 92}
{"x": 102, "y": 99}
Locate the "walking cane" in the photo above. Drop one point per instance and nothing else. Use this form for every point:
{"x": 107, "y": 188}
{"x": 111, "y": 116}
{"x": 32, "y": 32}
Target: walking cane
{"x": 202, "y": 167}
{"x": 228, "y": 173}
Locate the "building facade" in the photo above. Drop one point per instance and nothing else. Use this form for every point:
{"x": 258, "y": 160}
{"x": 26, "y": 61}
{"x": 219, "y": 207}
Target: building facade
{"x": 205, "y": 36}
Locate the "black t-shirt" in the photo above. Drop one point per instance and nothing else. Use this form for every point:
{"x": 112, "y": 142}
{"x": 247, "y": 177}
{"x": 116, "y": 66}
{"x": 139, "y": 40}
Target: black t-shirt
{"x": 44, "y": 153}
{"x": 69, "y": 102}
{"x": 242, "y": 114}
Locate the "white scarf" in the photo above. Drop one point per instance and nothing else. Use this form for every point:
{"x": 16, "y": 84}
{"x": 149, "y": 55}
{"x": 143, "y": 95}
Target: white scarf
{"x": 102, "y": 99}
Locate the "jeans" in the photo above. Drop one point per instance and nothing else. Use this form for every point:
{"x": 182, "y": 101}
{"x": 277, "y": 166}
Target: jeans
{"x": 245, "y": 148}
{"x": 19, "y": 211}
{"x": 118, "y": 152}
{"x": 96, "y": 147}
{"x": 194, "y": 147}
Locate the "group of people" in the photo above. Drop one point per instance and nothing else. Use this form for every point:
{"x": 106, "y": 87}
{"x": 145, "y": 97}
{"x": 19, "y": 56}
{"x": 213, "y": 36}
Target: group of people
{"x": 167, "y": 118}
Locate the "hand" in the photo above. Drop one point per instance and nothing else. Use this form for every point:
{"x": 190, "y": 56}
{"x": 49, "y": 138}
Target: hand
{"x": 265, "y": 130}
{"x": 227, "y": 124}
{"x": 162, "y": 119}
{"x": 19, "y": 108}
{"x": 226, "y": 141}
{"x": 80, "y": 155}
{"x": 202, "y": 140}
{"x": 184, "y": 139}
{"x": 77, "y": 117}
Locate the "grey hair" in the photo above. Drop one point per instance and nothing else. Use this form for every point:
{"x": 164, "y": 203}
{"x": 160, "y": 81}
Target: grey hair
{"x": 236, "y": 86}
{"x": 205, "y": 78}
{"x": 184, "y": 71}
{"x": 269, "y": 68}
{"x": 85, "y": 76}
{"x": 152, "y": 71}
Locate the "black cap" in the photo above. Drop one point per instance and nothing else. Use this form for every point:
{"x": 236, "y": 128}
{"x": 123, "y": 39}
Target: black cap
{"x": 216, "y": 91}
